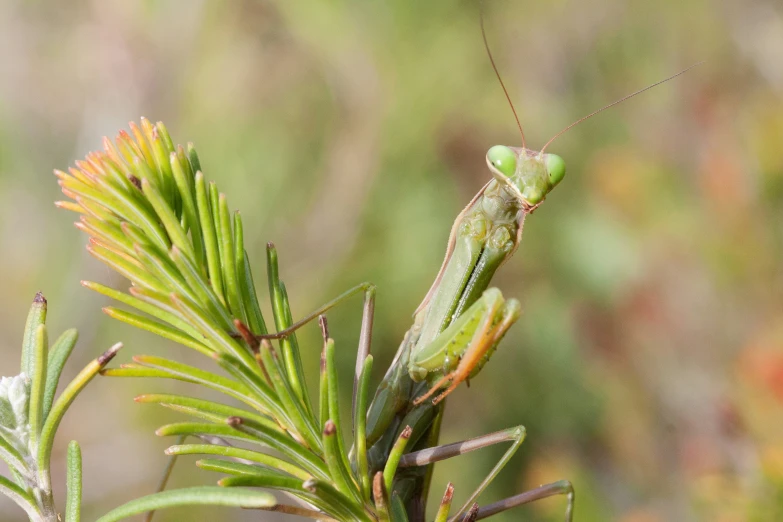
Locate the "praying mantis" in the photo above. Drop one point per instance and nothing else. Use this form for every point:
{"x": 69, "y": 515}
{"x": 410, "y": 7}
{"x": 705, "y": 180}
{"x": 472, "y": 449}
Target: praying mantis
{"x": 459, "y": 323}
{"x": 456, "y": 329}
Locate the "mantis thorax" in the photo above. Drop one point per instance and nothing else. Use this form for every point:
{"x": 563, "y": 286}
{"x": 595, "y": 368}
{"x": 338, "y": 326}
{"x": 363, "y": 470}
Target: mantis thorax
{"x": 494, "y": 221}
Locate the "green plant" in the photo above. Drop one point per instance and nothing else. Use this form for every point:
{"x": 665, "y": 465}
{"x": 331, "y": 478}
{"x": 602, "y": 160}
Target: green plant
{"x": 30, "y": 415}
{"x": 153, "y": 218}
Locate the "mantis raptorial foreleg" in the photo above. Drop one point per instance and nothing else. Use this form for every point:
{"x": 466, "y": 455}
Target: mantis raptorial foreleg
{"x": 462, "y": 349}
{"x": 514, "y": 435}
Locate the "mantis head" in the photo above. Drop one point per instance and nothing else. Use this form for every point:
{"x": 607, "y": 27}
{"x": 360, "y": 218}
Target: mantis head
{"x": 527, "y": 173}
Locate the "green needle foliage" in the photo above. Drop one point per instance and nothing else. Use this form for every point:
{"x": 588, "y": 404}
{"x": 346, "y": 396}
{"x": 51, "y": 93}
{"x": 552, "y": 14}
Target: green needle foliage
{"x": 153, "y": 217}
{"x": 30, "y": 414}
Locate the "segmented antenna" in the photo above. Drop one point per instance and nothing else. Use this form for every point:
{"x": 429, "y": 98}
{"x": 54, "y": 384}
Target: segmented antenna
{"x": 497, "y": 73}
{"x": 580, "y": 120}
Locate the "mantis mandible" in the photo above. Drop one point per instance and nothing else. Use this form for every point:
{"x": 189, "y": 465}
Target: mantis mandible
{"x": 458, "y": 326}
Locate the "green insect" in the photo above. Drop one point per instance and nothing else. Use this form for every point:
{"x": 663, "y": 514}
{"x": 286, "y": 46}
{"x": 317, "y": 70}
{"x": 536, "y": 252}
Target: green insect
{"x": 459, "y": 324}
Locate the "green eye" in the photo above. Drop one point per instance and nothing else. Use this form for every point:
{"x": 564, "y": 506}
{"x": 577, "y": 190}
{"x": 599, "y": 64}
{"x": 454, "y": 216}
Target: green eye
{"x": 503, "y": 159}
{"x": 555, "y": 166}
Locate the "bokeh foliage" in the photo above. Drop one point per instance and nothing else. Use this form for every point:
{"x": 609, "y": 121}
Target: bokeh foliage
{"x": 647, "y": 365}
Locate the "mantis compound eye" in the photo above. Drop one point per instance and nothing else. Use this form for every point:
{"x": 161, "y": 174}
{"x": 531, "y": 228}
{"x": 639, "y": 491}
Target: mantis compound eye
{"x": 555, "y": 167}
{"x": 503, "y": 159}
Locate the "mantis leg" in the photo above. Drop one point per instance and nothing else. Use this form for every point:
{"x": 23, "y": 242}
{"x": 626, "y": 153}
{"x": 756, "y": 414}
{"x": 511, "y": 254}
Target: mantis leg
{"x": 365, "y": 334}
{"x": 369, "y": 295}
{"x": 486, "y": 338}
{"x": 561, "y": 487}
{"x": 514, "y": 435}
{"x": 477, "y": 347}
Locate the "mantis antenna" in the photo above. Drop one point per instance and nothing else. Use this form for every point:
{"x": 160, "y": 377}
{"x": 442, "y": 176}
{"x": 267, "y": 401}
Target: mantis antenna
{"x": 580, "y": 120}
{"x": 497, "y": 73}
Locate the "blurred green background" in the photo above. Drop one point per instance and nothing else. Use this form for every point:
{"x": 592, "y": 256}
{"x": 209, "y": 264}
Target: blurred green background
{"x": 648, "y": 364}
